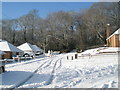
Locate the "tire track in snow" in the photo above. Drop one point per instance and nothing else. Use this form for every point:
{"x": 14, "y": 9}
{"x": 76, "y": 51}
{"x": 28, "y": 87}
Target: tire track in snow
{"x": 48, "y": 64}
{"x": 52, "y": 73}
{"x": 25, "y": 80}
{"x": 60, "y": 64}
{"x": 54, "y": 63}
{"x": 41, "y": 67}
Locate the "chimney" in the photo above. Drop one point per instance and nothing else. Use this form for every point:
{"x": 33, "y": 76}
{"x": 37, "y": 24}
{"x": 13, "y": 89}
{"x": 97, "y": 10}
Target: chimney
{"x": 108, "y": 31}
{"x": 108, "y": 34}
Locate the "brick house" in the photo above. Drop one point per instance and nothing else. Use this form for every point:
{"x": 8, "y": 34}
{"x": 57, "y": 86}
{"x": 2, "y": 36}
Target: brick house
{"x": 1, "y": 54}
{"x": 114, "y": 39}
{"x": 9, "y": 49}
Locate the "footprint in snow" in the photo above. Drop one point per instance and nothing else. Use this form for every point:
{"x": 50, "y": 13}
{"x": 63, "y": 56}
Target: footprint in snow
{"x": 105, "y": 86}
{"x": 113, "y": 83}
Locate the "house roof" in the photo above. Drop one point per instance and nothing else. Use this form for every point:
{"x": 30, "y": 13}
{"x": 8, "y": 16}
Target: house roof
{"x": 6, "y": 46}
{"x": 37, "y": 48}
{"x": 26, "y": 47}
{"x": 116, "y": 32}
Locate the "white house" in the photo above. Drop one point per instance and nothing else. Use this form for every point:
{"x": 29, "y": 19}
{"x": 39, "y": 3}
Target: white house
{"x": 27, "y": 48}
{"x": 37, "y": 49}
{"x": 9, "y": 49}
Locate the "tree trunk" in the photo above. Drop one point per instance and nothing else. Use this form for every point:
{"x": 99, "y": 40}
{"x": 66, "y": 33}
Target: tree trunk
{"x": 25, "y": 39}
{"x": 14, "y": 37}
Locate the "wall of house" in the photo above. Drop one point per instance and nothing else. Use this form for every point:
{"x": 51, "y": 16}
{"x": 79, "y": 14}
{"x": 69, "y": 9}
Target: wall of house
{"x": 10, "y": 55}
{"x": 117, "y": 41}
{"x": 1, "y": 56}
{"x": 7, "y": 55}
{"x": 114, "y": 41}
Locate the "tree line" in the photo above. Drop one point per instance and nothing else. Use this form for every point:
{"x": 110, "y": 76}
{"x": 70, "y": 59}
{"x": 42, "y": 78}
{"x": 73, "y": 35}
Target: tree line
{"x": 64, "y": 30}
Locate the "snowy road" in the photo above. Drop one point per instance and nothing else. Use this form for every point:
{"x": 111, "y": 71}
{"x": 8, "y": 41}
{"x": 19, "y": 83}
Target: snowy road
{"x": 48, "y": 73}
{"x": 100, "y": 71}
{"x": 19, "y": 73}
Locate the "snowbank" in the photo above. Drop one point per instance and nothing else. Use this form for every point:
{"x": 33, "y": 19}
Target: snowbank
{"x": 111, "y": 49}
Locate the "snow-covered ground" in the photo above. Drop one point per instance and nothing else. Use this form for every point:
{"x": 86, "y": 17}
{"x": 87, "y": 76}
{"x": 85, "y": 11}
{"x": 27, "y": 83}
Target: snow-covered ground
{"x": 90, "y": 70}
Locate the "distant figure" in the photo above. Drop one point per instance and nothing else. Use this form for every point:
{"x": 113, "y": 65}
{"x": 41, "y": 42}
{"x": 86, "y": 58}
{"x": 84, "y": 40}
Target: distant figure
{"x": 49, "y": 52}
{"x": 18, "y": 58}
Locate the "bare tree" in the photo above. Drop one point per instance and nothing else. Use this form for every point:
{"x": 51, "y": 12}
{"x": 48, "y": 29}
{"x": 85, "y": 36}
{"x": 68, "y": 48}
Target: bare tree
{"x": 62, "y": 30}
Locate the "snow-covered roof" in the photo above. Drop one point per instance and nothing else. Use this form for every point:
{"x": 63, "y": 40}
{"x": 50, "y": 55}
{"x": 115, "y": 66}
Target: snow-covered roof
{"x": 37, "y": 48}
{"x": 1, "y": 40}
{"x": 26, "y": 47}
{"x": 116, "y": 32}
{"x": 111, "y": 49}
{"x": 6, "y": 46}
